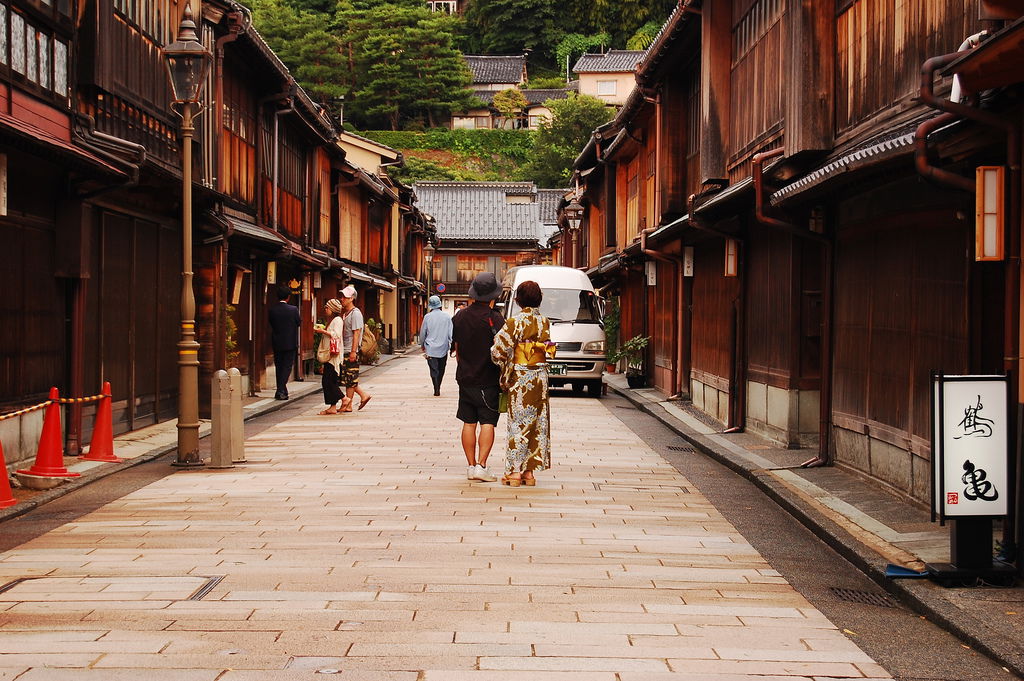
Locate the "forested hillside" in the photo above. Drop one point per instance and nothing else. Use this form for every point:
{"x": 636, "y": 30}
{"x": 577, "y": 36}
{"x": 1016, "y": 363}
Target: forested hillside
{"x": 399, "y": 66}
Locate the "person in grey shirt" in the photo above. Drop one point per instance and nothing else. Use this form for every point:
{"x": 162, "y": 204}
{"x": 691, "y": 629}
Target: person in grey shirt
{"x": 436, "y": 340}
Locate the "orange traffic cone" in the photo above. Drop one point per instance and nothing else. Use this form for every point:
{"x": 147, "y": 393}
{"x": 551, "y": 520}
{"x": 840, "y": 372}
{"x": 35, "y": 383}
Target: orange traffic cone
{"x": 6, "y": 498}
{"x": 102, "y": 446}
{"x": 50, "y": 456}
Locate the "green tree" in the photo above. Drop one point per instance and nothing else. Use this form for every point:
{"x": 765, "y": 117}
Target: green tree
{"x": 620, "y": 18}
{"x": 304, "y": 41}
{"x": 401, "y": 65}
{"x": 515, "y": 26}
{"x": 574, "y": 45}
{"x": 509, "y": 103}
{"x": 644, "y": 36}
{"x": 560, "y": 140}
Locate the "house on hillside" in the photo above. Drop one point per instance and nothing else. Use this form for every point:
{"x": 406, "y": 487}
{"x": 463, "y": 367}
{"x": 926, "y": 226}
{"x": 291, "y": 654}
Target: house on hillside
{"x": 445, "y": 6}
{"x": 485, "y": 227}
{"x": 610, "y": 76}
{"x": 492, "y": 74}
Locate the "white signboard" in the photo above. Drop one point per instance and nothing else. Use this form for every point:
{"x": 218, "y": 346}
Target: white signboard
{"x": 970, "y": 446}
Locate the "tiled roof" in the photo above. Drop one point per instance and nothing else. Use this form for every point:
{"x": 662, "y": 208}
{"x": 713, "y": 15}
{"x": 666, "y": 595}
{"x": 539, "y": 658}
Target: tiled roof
{"x": 481, "y": 210}
{"x": 547, "y": 200}
{"x": 533, "y": 97}
{"x": 496, "y": 69}
{"x": 613, "y": 61}
{"x": 540, "y": 96}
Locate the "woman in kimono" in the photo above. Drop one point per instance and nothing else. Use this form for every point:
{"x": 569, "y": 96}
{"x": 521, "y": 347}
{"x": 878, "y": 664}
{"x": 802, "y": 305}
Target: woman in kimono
{"x": 521, "y": 348}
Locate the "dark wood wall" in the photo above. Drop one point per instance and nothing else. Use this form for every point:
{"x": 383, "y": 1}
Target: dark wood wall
{"x": 901, "y": 34}
{"x": 758, "y": 89}
{"x": 131, "y": 323}
{"x": 714, "y": 303}
{"x": 901, "y": 310}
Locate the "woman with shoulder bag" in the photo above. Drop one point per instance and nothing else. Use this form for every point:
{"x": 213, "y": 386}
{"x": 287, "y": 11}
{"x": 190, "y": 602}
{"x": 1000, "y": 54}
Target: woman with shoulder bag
{"x": 521, "y": 348}
{"x": 329, "y": 353}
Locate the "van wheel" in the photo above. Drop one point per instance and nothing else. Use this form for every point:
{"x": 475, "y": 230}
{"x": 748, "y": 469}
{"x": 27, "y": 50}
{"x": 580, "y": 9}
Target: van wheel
{"x": 577, "y": 388}
{"x": 594, "y": 389}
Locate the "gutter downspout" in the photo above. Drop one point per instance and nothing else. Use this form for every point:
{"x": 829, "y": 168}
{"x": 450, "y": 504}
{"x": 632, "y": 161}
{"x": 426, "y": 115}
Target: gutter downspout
{"x": 279, "y": 97}
{"x": 678, "y": 263}
{"x": 1011, "y": 312}
{"x": 825, "y": 389}
{"x": 235, "y": 28}
{"x": 289, "y": 108}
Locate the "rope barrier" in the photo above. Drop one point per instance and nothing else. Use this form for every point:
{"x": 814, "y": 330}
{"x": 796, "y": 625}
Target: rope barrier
{"x": 26, "y": 410}
{"x": 43, "y": 405}
{"x": 80, "y": 400}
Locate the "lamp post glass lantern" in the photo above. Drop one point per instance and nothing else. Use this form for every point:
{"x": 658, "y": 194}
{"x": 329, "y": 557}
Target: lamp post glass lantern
{"x": 428, "y": 258}
{"x": 573, "y": 217}
{"x": 574, "y": 214}
{"x": 188, "y": 63}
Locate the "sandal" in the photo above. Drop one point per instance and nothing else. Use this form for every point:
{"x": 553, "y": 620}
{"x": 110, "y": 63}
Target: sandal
{"x": 530, "y": 481}
{"x": 363, "y": 403}
{"x": 330, "y": 411}
{"x": 346, "y": 406}
{"x": 511, "y": 482}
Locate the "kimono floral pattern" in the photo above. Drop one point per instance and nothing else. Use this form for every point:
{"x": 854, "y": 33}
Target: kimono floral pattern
{"x": 529, "y": 431}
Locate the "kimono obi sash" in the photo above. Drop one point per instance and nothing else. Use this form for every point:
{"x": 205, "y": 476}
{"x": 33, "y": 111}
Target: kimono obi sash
{"x": 532, "y": 353}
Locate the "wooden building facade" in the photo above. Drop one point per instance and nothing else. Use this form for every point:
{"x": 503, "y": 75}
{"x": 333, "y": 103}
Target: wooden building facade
{"x": 793, "y": 225}
{"x": 90, "y": 162}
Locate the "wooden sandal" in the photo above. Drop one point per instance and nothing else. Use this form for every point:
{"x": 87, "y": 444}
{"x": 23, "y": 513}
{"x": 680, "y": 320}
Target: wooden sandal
{"x": 511, "y": 482}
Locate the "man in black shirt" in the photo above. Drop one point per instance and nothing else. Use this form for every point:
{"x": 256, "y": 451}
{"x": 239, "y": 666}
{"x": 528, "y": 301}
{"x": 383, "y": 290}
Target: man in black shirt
{"x": 284, "y": 339}
{"x": 477, "y": 375}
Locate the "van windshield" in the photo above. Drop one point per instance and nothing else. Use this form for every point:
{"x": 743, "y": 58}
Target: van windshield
{"x": 568, "y": 305}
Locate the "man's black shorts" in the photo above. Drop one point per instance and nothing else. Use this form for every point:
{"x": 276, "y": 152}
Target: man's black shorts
{"x": 478, "y": 405}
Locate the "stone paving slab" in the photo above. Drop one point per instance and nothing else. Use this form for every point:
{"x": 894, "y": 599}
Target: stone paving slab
{"x": 360, "y": 548}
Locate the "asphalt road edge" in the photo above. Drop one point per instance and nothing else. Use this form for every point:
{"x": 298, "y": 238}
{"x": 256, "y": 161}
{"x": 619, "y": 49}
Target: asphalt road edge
{"x": 918, "y": 595}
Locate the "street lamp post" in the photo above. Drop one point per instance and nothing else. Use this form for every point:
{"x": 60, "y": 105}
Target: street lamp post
{"x": 188, "y": 63}
{"x": 428, "y": 257}
{"x": 573, "y": 216}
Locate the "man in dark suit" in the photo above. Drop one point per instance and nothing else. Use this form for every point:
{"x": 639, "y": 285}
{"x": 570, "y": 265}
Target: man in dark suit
{"x": 284, "y": 338}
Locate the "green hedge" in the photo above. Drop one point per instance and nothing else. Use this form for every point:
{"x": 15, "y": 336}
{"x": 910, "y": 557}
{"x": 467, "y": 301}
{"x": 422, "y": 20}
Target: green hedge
{"x": 516, "y": 145}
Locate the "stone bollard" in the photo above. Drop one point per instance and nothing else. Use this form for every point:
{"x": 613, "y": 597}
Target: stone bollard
{"x": 237, "y": 420}
{"x": 220, "y": 417}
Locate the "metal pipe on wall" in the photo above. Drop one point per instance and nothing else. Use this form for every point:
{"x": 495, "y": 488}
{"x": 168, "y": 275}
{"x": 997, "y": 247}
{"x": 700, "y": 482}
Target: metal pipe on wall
{"x": 1012, "y": 277}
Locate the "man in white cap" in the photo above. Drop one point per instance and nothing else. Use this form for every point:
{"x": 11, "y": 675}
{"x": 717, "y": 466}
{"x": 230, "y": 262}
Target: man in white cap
{"x": 436, "y": 340}
{"x": 352, "y": 335}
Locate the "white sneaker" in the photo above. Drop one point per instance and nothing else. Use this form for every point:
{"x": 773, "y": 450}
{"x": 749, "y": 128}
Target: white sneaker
{"x": 471, "y": 473}
{"x": 483, "y": 475}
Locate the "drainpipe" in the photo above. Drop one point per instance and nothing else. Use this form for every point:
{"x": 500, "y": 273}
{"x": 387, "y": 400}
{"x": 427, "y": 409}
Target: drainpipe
{"x": 825, "y": 389}
{"x": 289, "y": 108}
{"x": 236, "y": 26}
{"x": 284, "y": 96}
{"x": 1011, "y": 312}
{"x": 677, "y": 262}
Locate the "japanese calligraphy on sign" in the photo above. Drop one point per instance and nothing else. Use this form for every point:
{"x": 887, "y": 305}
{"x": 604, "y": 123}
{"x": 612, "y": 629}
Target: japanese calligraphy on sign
{"x": 970, "y": 445}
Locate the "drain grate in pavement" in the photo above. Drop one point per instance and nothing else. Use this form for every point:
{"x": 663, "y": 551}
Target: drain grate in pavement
{"x": 677, "y": 448}
{"x": 865, "y": 597}
{"x": 134, "y": 588}
{"x": 618, "y": 487}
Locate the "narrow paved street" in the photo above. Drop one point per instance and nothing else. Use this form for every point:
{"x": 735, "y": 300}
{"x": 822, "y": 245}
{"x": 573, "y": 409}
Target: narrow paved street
{"x": 353, "y": 545}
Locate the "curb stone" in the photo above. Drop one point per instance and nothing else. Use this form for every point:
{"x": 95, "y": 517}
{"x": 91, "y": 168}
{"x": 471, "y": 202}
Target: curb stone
{"x": 920, "y": 596}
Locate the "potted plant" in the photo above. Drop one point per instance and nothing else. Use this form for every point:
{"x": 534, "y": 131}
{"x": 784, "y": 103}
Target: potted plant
{"x": 634, "y": 351}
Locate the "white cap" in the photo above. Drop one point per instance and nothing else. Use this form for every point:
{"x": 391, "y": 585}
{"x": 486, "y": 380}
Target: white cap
{"x": 348, "y": 292}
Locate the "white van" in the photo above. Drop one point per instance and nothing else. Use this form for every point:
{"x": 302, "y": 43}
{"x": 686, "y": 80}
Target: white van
{"x": 575, "y": 311}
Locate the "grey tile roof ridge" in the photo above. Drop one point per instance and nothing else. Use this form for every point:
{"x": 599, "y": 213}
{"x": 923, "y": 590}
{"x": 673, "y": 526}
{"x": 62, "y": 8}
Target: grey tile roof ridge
{"x": 612, "y": 61}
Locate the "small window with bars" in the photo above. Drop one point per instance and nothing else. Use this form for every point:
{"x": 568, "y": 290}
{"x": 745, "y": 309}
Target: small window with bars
{"x": 36, "y": 57}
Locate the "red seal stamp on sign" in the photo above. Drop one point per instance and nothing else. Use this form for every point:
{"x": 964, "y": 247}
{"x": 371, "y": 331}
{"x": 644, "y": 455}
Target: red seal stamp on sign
{"x": 952, "y": 498}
